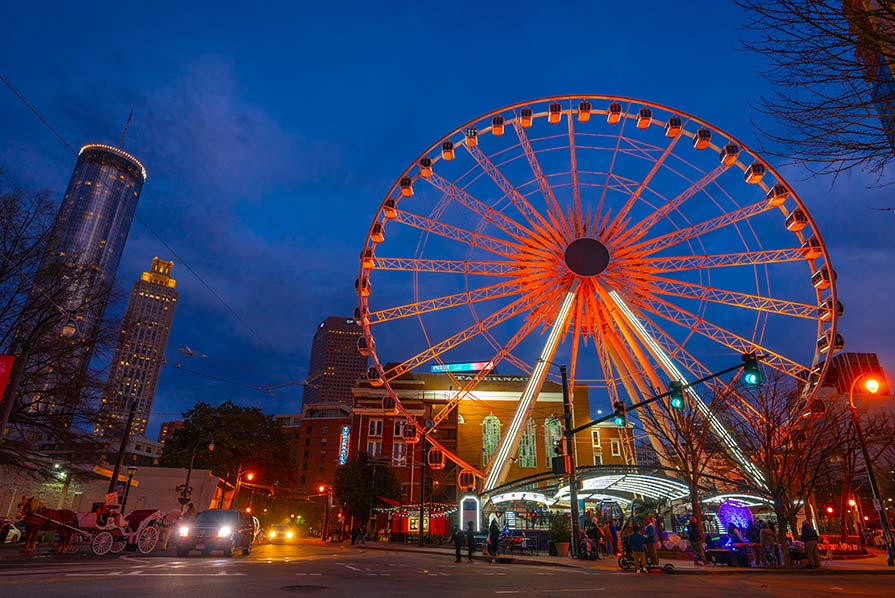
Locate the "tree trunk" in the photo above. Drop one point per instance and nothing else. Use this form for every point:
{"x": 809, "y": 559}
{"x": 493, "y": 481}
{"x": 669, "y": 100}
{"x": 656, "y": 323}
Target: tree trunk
{"x": 843, "y": 509}
{"x": 782, "y": 521}
{"x": 697, "y": 515}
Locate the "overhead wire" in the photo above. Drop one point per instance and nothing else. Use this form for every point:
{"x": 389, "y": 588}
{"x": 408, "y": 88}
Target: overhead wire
{"x": 139, "y": 219}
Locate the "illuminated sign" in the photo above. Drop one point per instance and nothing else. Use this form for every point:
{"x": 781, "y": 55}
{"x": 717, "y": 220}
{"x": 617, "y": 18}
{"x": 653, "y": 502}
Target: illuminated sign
{"x": 343, "y": 444}
{"x": 475, "y": 366}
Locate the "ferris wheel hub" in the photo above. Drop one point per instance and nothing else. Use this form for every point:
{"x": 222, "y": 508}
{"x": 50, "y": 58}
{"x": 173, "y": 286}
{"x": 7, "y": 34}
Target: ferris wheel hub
{"x": 586, "y": 256}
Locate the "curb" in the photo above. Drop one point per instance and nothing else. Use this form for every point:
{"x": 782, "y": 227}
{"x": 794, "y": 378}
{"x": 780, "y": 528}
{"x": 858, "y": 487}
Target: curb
{"x": 717, "y": 570}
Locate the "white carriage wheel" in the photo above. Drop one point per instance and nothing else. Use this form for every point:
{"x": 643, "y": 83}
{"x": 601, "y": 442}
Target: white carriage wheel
{"x": 148, "y": 539}
{"x": 102, "y": 543}
{"x": 118, "y": 545}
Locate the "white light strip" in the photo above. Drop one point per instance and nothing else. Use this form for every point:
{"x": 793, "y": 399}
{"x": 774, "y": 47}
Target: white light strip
{"x": 673, "y": 372}
{"x": 478, "y": 511}
{"x": 529, "y": 496}
{"x": 499, "y": 466}
{"x": 747, "y": 499}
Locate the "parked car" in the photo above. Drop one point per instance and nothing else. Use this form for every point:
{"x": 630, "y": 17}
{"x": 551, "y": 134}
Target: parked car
{"x": 10, "y": 533}
{"x": 282, "y": 534}
{"x": 217, "y": 529}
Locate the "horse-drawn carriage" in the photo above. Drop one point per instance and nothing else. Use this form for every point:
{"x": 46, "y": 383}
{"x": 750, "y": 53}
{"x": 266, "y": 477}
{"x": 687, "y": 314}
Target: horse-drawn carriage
{"x": 104, "y": 529}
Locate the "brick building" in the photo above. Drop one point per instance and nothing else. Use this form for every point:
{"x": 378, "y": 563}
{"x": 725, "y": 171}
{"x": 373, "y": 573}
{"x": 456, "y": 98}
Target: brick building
{"x": 317, "y": 443}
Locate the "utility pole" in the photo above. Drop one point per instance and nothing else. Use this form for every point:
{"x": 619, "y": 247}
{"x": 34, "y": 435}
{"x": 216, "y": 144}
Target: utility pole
{"x": 424, "y": 446}
{"x": 573, "y": 467}
{"x": 125, "y": 436}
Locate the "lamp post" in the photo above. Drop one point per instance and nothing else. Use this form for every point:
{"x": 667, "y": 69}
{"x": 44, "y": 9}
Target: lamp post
{"x": 569, "y": 436}
{"x": 425, "y": 449}
{"x": 185, "y": 495}
{"x": 327, "y": 505}
{"x": 127, "y": 489}
{"x": 872, "y": 386}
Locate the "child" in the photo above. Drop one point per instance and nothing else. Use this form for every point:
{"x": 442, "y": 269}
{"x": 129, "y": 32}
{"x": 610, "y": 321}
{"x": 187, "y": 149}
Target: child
{"x": 638, "y": 549}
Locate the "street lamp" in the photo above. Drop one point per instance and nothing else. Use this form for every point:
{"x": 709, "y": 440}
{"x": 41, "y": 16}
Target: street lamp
{"x": 127, "y": 489}
{"x": 326, "y": 506}
{"x": 185, "y": 495}
{"x": 872, "y": 386}
{"x": 569, "y": 435}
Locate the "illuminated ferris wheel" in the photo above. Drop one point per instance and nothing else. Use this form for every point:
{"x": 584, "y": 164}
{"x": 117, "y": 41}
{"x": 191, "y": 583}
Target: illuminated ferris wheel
{"x": 634, "y": 242}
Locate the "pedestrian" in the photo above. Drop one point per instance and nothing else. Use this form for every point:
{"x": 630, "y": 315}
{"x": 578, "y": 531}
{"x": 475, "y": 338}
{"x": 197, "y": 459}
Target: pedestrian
{"x": 809, "y": 537}
{"x": 768, "y": 539}
{"x": 493, "y": 537}
{"x": 753, "y": 534}
{"x": 695, "y": 539}
{"x": 595, "y": 536}
{"x": 651, "y": 540}
{"x": 613, "y": 538}
{"x": 637, "y": 543}
{"x": 470, "y": 541}
{"x": 459, "y": 539}
{"x": 354, "y": 534}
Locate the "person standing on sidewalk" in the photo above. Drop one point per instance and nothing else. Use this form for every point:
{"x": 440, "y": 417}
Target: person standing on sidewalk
{"x": 637, "y": 542}
{"x": 459, "y": 539}
{"x": 470, "y": 541}
{"x": 695, "y": 539}
{"x": 809, "y": 537}
{"x": 493, "y": 537}
{"x": 650, "y": 534}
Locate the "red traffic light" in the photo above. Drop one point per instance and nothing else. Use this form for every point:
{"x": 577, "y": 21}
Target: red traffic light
{"x": 248, "y": 509}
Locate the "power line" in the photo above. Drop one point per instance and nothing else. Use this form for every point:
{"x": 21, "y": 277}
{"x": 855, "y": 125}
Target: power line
{"x": 141, "y": 221}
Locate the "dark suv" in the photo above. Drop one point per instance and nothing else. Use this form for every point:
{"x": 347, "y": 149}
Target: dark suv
{"x": 216, "y": 530}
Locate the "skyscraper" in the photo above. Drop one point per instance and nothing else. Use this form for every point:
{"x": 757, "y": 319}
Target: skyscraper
{"x": 138, "y": 356}
{"x": 873, "y": 26}
{"x": 335, "y": 364}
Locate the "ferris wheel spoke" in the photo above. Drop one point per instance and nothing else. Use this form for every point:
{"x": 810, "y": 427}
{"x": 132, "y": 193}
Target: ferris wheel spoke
{"x": 485, "y": 268}
{"x": 721, "y": 336}
{"x": 629, "y": 204}
{"x": 685, "y": 234}
{"x": 534, "y": 219}
{"x": 720, "y": 260}
{"x": 554, "y": 212}
{"x": 505, "y": 313}
{"x": 487, "y": 293}
{"x": 576, "y": 217}
{"x": 635, "y": 233}
{"x": 498, "y": 219}
{"x": 478, "y": 240}
{"x": 674, "y": 288}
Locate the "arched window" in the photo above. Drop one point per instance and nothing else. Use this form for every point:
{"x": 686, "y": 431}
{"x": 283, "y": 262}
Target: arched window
{"x": 528, "y": 446}
{"x": 552, "y": 435}
{"x": 490, "y": 438}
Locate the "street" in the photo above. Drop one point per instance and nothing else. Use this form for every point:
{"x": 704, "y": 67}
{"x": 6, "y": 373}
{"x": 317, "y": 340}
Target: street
{"x": 343, "y": 570}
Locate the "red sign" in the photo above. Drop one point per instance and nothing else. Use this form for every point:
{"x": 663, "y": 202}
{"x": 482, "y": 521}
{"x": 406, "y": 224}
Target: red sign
{"x": 6, "y": 362}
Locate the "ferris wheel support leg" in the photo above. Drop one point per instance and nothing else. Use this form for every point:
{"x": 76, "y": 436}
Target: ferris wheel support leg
{"x": 498, "y": 471}
{"x": 673, "y": 372}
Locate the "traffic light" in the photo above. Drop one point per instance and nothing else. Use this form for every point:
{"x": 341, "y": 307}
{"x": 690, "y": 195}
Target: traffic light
{"x": 676, "y": 398}
{"x": 557, "y": 447}
{"x": 621, "y": 418}
{"x": 751, "y": 372}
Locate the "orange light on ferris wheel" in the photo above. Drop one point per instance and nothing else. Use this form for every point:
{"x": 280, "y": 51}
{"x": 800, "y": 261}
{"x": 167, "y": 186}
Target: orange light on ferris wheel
{"x": 872, "y": 385}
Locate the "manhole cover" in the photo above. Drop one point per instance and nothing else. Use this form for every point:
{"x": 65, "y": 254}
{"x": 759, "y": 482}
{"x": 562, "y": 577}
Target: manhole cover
{"x": 307, "y": 589}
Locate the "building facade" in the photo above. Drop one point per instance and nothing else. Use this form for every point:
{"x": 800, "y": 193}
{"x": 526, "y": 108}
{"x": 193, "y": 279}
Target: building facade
{"x": 335, "y": 362}
{"x": 140, "y": 351}
{"x": 168, "y": 429}
{"x": 318, "y": 438}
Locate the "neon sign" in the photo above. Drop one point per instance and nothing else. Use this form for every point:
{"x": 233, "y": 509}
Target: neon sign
{"x": 475, "y": 366}
{"x": 345, "y": 436}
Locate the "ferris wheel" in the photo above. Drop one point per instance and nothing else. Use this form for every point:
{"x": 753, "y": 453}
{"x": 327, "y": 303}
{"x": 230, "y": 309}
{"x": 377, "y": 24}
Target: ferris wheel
{"x": 631, "y": 241}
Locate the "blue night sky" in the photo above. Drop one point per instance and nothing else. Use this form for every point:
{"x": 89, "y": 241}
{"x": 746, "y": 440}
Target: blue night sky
{"x": 272, "y": 131}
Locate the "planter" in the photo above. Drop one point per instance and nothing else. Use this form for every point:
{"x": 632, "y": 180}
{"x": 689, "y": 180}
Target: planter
{"x": 562, "y": 548}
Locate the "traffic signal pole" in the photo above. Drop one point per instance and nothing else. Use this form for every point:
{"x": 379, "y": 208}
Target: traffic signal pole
{"x": 573, "y": 469}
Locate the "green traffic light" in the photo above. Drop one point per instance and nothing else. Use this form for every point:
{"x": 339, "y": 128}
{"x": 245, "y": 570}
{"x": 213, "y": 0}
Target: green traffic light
{"x": 751, "y": 378}
{"x": 677, "y": 402}
{"x": 619, "y": 420}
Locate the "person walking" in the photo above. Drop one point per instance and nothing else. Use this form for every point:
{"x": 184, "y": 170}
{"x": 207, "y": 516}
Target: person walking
{"x": 470, "y": 541}
{"x": 651, "y": 540}
{"x": 637, "y": 544}
{"x": 809, "y": 537}
{"x": 459, "y": 539}
{"x": 695, "y": 539}
{"x": 768, "y": 539}
{"x": 493, "y": 537}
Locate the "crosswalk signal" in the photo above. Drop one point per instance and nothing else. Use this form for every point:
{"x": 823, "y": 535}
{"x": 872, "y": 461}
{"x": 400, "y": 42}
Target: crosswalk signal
{"x": 557, "y": 447}
{"x": 751, "y": 372}
{"x": 676, "y": 398}
{"x": 621, "y": 418}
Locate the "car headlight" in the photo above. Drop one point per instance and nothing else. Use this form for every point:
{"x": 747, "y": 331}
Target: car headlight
{"x": 272, "y": 535}
{"x": 289, "y": 535}
{"x": 224, "y": 531}
{"x": 184, "y": 531}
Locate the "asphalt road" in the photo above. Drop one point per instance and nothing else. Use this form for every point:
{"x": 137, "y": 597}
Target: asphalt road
{"x": 310, "y": 569}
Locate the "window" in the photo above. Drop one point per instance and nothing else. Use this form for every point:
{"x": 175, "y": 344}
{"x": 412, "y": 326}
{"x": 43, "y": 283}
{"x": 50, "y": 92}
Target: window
{"x": 552, "y": 435}
{"x": 598, "y": 459}
{"x": 399, "y": 428}
{"x": 595, "y": 438}
{"x": 374, "y": 447}
{"x": 528, "y": 446}
{"x": 616, "y": 447}
{"x": 490, "y": 437}
{"x": 375, "y": 428}
{"x": 399, "y": 454}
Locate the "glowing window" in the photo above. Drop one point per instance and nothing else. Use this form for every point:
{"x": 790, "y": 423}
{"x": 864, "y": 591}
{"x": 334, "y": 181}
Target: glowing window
{"x": 528, "y": 446}
{"x": 490, "y": 437}
{"x": 552, "y": 435}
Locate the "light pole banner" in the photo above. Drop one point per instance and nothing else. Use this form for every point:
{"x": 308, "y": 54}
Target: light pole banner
{"x": 6, "y": 362}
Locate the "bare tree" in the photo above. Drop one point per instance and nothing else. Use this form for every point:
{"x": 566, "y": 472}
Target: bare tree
{"x": 686, "y": 441}
{"x": 788, "y": 448}
{"x": 833, "y": 84}
{"x": 51, "y": 315}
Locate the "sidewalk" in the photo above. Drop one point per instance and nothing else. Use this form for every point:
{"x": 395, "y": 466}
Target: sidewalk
{"x": 873, "y": 565}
